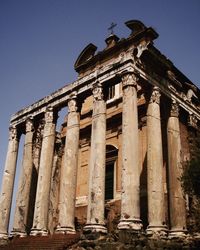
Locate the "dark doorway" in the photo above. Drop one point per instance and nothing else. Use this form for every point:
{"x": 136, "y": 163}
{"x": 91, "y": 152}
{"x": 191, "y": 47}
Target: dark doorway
{"x": 109, "y": 181}
{"x": 111, "y": 159}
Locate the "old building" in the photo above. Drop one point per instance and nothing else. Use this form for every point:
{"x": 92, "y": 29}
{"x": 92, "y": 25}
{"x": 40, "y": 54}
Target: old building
{"x": 115, "y": 162}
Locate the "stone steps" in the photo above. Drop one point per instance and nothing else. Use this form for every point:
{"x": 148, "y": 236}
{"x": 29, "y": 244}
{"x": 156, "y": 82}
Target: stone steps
{"x": 51, "y": 242}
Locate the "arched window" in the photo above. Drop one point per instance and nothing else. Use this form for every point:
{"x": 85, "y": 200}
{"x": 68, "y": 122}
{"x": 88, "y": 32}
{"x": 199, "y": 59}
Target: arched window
{"x": 111, "y": 158}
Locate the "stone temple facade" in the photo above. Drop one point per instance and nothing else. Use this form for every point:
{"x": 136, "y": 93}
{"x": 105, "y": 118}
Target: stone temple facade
{"x": 115, "y": 162}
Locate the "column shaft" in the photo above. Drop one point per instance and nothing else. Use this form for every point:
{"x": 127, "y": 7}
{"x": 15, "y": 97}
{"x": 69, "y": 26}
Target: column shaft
{"x": 23, "y": 195}
{"x": 69, "y": 171}
{"x": 8, "y": 182}
{"x": 176, "y": 199}
{"x": 40, "y": 220}
{"x": 156, "y": 214}
{"x": 96, "y": 196}
{"x": 130, "y": 200}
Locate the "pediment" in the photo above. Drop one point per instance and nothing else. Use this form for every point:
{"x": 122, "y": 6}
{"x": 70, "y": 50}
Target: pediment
{"x": 135, "y": 26}
{"x": 87, "y": 53}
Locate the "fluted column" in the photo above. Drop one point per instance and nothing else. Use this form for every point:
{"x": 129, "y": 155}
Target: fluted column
{"x": 176, "y": 199}
{"x": 23, "y": 195}
{"x": 69, "y": 170}
{"x": 40, "y": 220}
{"x": 96, "y": 195}
{"x": 8, "y": 181}
{"x": 156, "y": 214}
{"x": 130, "y": 200}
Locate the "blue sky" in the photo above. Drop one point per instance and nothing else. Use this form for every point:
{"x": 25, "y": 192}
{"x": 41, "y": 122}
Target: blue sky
{"x": 41, "y": 39}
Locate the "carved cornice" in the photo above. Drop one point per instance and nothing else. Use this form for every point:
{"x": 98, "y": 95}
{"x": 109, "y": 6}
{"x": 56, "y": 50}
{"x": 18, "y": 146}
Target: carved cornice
{"x": 97, "y": 91}
{"x": 170, "y": 91}
{"x": 155, "y": 95}
{"x": 107, "y": 72}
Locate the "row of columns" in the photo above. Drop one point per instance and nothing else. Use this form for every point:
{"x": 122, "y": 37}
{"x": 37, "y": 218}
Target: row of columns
{"x": 130, "y": 204}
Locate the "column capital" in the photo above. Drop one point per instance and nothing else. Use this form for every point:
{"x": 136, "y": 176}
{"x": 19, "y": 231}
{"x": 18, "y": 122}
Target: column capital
{"x": 97, "y": 91}
{"x": 192, "y": 121}
{"x": 29, "y": 124}
{"x": 49, "y": 115}
{"x": 72, "y": 102}
{"x": 129, "y": 78}
{"x": 155, "y": 95}
{"x": 13, "y": 133}
{"x": 174, "y": 112}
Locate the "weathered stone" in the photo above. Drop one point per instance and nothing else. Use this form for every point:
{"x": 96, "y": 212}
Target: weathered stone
{"x": 69, "y": 171}
{"x": 155, "y": 167}
{"x": 8, "y": 182}
{"x": 128, "y": 160}
{"x": 95, "y": 211}
{"x": 40, "y": 221}
{"x": 176, "y": 199}
{"x": 130, "y": 204}
{"x": 20, "y": 225}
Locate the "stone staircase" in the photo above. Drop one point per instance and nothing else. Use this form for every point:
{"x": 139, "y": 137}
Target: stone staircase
{"x": 50, "y": 242}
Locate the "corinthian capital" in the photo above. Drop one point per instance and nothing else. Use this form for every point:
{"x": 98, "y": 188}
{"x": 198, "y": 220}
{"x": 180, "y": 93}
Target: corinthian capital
{"x": 192, "y": 121}
{"x": 129, "y": 79}
{"x": 97, "y": 91}
{"x": 29, "y": 124}
{"x": 174, "y": 108}
{"x": 155, "y": 96}
{"x": 72, "y": 103}
{"x": 13, "y": 135}
{"x": 49, "y": 117}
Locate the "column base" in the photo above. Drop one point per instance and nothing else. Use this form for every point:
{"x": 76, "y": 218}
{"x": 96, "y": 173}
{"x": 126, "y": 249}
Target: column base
{"x": 95, "y": 228}
{"x": 18, "y": 233}
{"x": 4, "y": 236}
{"x": 65, "y": 230}
{"x": 160, "y": 230}
{"x": 177, "y": 233}
{"x": 42, "y": 232}
{"x": 131, "y": 224}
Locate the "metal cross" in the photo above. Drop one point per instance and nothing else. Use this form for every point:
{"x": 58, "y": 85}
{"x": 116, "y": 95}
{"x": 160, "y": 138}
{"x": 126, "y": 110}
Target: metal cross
{"x": 112, "y": 26}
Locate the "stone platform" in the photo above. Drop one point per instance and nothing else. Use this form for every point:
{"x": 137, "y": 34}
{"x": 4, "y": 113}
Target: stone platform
{"x": 51, "y": 242}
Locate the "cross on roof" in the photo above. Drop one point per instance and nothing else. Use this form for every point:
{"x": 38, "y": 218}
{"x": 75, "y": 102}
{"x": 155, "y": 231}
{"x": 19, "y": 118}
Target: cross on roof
{"x": 112, "y": 26}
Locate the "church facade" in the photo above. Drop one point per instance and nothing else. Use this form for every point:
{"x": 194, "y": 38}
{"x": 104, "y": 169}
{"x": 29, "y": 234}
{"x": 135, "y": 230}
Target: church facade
{"x": 116, "y": 161}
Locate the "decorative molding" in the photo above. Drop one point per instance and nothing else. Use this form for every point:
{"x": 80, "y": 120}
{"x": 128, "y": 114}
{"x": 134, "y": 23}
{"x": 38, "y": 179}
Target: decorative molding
{"x": 105, "y": 73}
{"x": 190, "y": 95}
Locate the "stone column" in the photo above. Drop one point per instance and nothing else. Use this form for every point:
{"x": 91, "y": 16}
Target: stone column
{"x": 23, "y": 195}
{"x": 176, "y": 199}
{"x": 40, "y": 220}
{"x": 69, "y": 170}
{"x": 96, "y": 195}
{"x": 130, "y": 199}
{"x": 8, "y": 181}
{"x": 156, "y": 213}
